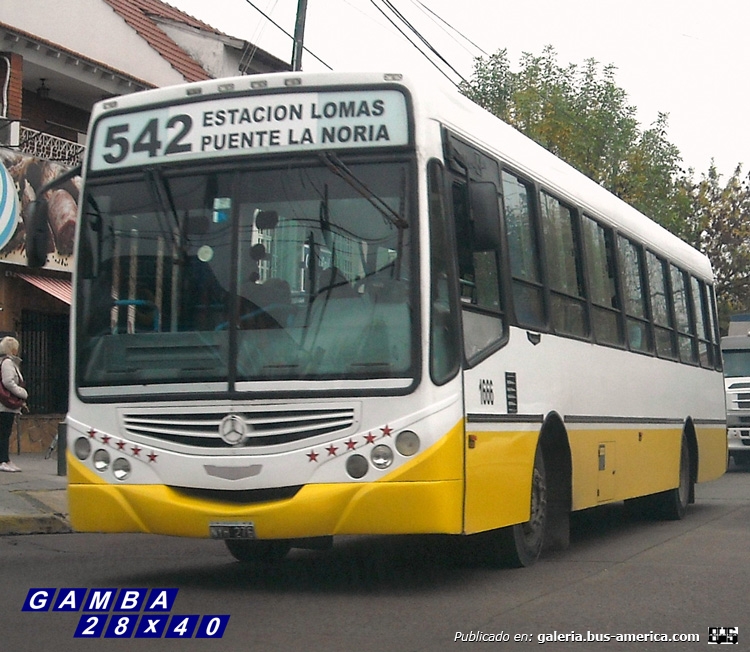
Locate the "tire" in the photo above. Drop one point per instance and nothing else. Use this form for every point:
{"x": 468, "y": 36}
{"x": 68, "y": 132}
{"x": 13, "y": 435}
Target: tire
{"x": 520, "y": 545}
{"x": 672, "y": 505}
{"x": 254, "y": 551}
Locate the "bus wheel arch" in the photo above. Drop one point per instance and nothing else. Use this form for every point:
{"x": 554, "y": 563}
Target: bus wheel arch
{"x": 555, "y": 448}
{"x": 548, "y": 527}
{"x": 671, "y": 505}
{"x": 691, "y": 440}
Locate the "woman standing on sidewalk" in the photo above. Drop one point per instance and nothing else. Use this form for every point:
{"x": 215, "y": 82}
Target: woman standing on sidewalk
{"x": 10, "y": 376}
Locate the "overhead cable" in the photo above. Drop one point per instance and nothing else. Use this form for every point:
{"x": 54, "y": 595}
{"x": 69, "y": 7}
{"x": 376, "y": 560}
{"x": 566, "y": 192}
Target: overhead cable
{"x": 440, "y": 70}
{"x": 279, "y": 27}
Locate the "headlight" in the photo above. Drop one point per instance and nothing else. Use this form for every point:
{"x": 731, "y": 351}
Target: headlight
{"x": 121, "y": 468}
{"x": 101, "y": 460}
{"x": 356, "y": 466}
{"x": 381, "y": 456}
{"x": 82, "y": 448}
{"x": 407, "y": 443}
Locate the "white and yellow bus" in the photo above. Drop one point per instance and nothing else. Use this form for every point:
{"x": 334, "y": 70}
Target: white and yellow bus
{"x": 310, "y": 305}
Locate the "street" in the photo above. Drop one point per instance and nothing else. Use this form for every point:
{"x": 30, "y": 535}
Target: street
{"x": 621, "y": 576}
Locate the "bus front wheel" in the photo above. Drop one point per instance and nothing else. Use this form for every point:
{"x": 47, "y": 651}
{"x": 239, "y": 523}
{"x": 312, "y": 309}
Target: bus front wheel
{"x": 257, "y": 551}
{"x": 520, "y": 545}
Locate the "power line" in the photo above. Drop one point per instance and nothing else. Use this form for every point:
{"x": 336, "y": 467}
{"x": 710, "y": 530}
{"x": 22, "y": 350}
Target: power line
{"x": 406, "y": 36}
{"x": 450, "y": 27}
{"x": 416, "y": 32}
{"x": 283, "y": 31}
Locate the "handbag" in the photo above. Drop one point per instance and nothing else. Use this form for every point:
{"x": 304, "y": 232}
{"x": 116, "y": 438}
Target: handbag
{"x": 9, "y": 399}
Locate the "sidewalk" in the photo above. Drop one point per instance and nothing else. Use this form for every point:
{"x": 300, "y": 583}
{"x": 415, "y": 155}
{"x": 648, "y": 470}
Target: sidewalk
{"x": 33, "y": 501}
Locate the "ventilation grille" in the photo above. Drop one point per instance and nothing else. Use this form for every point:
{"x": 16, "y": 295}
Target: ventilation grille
{"x": 265, "y": 427}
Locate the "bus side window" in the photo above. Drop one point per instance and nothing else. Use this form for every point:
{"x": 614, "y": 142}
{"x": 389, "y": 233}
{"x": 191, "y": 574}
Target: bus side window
{"x": 661, "y": 312}
{"x": 602, "y": 278}
{"x": 564, "y": 270}
{"x": 713, "y": 326}
{"x": 634, "y": 295}
{"x": 685, "y": 325}
{"x": 523, "y": 250}
{"x": 700, "y": 306}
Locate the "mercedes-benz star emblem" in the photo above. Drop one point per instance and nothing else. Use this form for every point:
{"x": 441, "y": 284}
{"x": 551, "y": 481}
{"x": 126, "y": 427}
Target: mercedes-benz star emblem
{"x": 233, "y": 429}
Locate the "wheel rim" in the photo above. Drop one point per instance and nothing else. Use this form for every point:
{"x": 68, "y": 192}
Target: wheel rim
{"x": 534, "y": 528}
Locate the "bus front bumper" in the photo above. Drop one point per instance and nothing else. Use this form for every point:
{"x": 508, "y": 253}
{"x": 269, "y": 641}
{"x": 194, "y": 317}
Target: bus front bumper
{"x": 316, "y": 510}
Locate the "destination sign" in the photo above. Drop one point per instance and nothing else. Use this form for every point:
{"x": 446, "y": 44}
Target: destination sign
{"x": 250, "y": 125}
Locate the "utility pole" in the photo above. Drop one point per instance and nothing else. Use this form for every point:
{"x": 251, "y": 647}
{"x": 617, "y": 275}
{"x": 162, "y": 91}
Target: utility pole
{"x": 299, "y": 35}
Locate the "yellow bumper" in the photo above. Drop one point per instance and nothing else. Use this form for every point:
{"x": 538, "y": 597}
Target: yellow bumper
{"x": 425, "y": 496}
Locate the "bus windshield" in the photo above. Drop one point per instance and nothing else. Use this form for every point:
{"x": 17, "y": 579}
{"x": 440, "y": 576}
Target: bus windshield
{"x": 736, "y": 363}
{"x": 298, "y": 272}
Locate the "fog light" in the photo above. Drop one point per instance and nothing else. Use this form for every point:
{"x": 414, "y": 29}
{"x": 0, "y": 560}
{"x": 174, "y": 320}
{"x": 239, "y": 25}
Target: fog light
{"x": 82, "y": 448}
{"x": 101, "y": 460}
{"x": 121, "y": 468}
{"x": 407, "y": 443}
{"x": 356, "y": 466}
{"x": 381, "y": 456}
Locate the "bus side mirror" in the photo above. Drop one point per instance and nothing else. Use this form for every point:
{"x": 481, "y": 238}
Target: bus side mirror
{"x": 37, "y": 233}
{"x": 485, "y": 214}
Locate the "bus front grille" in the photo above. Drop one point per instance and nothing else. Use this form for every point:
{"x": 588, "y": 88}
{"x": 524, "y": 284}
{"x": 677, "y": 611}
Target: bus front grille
{"x": 262, "y": 427}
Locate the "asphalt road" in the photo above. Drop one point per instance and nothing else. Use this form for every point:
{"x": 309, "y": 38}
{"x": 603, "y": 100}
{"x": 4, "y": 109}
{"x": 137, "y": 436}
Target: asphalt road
{"x": 621, "y": 576}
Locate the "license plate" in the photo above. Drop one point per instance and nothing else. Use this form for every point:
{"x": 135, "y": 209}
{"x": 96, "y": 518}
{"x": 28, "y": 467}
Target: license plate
{"x": 232, "y": 530}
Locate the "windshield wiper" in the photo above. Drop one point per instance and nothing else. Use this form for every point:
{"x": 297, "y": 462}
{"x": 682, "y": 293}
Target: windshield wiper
{"x": 336, "y": 165}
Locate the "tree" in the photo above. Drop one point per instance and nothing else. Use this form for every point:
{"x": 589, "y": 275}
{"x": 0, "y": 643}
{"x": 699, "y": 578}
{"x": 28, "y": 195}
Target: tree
{"x": 718, "y": 225}
{"x": 580, "y": 114}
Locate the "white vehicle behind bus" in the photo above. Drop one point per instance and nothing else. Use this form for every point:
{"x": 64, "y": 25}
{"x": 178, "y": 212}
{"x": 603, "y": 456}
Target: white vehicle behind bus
{"x": 735, "y": 349}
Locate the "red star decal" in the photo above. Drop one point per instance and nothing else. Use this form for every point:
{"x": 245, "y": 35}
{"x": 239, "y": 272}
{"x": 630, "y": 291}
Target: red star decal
{"x": 369, "y": 438}
{"x": 136, "y": 450}
{"x": 313, "y": 456}
{"x": 92, "y": 434}
{"x": 386, "y": 431}
{"x": 105, "y": 439}
{"x": 351, "y": 444}
{"x": 332, "y": 450}
{"x": 152, "y": 457}
{"x": 121, "y": 445}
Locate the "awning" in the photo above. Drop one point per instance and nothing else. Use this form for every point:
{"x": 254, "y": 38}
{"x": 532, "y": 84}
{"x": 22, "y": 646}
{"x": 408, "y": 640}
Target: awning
{"x": 58, "y": 288}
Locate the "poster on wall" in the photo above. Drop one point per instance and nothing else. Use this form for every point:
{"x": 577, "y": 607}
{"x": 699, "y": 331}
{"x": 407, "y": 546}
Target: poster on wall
{"x": 21, "y": 178}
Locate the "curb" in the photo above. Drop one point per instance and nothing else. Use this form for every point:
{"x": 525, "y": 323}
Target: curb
{"x": 36, "y": 512}
{"x": 42, "y": 524}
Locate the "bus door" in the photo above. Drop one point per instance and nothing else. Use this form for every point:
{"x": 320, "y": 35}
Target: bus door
{"x": 475, "y": 198}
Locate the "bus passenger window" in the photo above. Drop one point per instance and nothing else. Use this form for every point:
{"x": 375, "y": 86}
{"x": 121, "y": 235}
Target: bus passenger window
{"x": 685, "y": 326}
{"x": 600, "y": 256}
{"x": 660, "y": 308}
{"x": 634, "y": 295}
{"x": 524, "y": 252}
{"x": 701, "y": 323}
{"x": 568, "y": 309}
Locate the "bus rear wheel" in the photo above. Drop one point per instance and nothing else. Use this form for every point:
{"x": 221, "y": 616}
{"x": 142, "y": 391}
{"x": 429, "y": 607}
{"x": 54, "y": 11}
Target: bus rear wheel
{"x": 671, "y": 505}
{"x": 520, "y": 545}
{"x": 258, "y": 551}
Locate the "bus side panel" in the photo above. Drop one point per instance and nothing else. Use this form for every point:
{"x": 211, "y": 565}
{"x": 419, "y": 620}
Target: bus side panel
{"x": 712, "y": 452}
{"x": 498, "y": 477}
{"x": 612, "y": 464}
